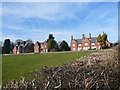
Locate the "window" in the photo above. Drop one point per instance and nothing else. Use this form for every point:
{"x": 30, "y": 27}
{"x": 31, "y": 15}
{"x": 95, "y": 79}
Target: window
{"x": 79, "y": 44}
{"x": 73, "y": 45}
{"x": 73, "y": 49}
{"x": 86, "y": 48}
{"x": 99, "y": 47}
{"x": 79, "y": 49}
{"x": 36, "y": 46}
{"x": 45, "y": 46}
{"x": 93, "y": 44}
{"x": 86, "y": 44}
{"x": 93, "y": 47}
{"x": 83, "y": 48}
{"x": 46, "y": 50}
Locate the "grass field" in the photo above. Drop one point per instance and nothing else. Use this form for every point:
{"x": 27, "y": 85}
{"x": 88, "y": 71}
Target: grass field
{"x": 14, "y": 66}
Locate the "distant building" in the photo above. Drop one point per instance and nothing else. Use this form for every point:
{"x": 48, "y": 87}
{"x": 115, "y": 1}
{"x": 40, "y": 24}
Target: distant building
{"x": 19, "y": 48}
{"x": 40, "y": 47}
{"x": 85, "y": 43}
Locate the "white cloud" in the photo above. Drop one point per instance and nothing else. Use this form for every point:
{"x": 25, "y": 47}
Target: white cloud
{"x": 48, "y": 11}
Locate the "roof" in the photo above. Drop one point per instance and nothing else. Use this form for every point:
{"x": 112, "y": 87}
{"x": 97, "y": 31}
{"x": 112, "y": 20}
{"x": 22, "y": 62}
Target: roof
{"x": 78, "y": 40}
{"x": 93, "y": 40}
{"x": 38, "y": 43}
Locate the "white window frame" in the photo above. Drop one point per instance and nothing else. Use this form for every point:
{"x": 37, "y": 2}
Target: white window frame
{"x": 45, "y": 46}
{"x": 99, "y": 47}
{"x": 36, "y": 46}
{"x": 73, "y": 45}
{"x": 79, "y": 49}
{"x": 73, "y": 49}
{"x": 80, "y": 44}
{"x": 41, "y": 46}
{"x": 93, "y": 47}
{"x": 93, "y": 44}
{"x": 86, "y": 44}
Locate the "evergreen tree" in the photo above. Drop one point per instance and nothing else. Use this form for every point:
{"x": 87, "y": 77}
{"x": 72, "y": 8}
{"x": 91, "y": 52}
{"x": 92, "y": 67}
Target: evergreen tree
{"x": 52, "y": 44}
{"x": 11, "y": 46}
{"x": 49, "y": 44}
{"x": 50, "y": 37}
{"x": 6, "y": 47}
{"x": 56, "y": 47}
{"x": 64, "y": 46}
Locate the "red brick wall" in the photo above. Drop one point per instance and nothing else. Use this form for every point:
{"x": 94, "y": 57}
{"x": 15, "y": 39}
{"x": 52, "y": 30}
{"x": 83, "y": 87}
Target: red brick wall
{"x": 84, "y": 46}
{"x": 108, "y": 44}
{"x": 79, "y": 47}
{"x": 45, "y": 49}
{"x": 14, "y": 50}
{"x": 73, "y": 48}
{"x": 97, "y": 45}
{"x": 36, "y": 48}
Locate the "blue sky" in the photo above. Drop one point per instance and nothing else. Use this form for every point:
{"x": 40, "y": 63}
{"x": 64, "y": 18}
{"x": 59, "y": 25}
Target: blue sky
{"x": 28, "y": 20}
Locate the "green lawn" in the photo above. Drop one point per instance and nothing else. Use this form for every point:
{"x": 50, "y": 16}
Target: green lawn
{"x": 13, "y": 66}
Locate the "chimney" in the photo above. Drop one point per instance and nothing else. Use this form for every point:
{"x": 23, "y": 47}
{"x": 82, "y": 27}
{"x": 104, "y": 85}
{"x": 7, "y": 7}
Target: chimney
{"x": 71, "y": 38}
{"x": 83, "y": 36}
{"x": 89, "y": 35}
{"x": 103, "y": 32}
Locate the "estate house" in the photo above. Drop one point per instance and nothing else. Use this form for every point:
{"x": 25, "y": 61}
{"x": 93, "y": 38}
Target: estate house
{"x": 85, "y": 43}
{"x": 19, "y": 48}
{"x": 40, "y": 47}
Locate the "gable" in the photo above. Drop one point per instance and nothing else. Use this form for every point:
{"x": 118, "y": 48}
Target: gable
{"x": 74, "y": 41}
{"x": 79, "y": 41}
{"x": 86, "y": 40}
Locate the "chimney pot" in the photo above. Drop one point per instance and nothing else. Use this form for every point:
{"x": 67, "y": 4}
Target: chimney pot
{"x": 83, "y": 36}
{"x": 90, "y": 35}
{"x": 71, "y": 38}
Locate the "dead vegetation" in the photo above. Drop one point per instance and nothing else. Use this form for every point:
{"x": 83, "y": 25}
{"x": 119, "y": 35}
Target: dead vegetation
{"x": 98, "y": 71}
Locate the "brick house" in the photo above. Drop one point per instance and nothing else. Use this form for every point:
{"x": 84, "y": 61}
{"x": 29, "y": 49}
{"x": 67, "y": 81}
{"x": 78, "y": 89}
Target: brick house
{"x": 37, "y": 47}
{"x": 85, "y": 43}
{"x": 40, "y": 47}
{"x": 18, "y": 49}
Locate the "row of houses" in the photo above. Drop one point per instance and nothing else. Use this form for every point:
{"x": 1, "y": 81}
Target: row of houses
{"x": 40, "y": 47}
{"x": 83, "y": 43}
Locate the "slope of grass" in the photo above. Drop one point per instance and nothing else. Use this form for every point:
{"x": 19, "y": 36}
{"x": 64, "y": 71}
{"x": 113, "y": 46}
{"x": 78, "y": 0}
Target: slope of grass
{"x": 14, "y": 66}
